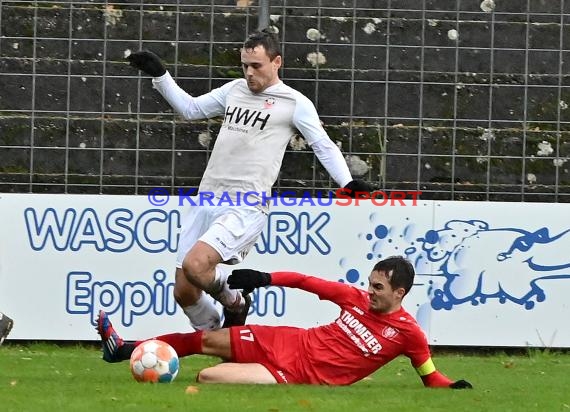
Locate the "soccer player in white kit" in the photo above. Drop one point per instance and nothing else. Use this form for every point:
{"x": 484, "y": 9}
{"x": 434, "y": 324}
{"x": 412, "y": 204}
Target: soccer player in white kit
{"x": 261, "y": 114}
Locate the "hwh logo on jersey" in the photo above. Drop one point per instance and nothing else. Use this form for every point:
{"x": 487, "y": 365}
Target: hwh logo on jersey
{"x": 241, "y": 116}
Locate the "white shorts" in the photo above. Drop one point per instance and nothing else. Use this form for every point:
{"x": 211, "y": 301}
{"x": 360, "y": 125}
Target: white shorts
{"x": 231, "y": 230}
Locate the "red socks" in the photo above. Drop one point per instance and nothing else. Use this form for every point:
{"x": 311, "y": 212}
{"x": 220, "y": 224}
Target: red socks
{"x": 183, "y": 343}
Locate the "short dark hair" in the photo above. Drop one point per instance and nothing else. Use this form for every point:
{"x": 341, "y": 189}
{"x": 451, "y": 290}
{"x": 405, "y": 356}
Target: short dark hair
{"x": 402, "y": 272}
{"x": 265, "y": 38}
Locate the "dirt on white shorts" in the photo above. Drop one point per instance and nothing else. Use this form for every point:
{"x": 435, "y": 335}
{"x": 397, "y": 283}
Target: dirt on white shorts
{"x": 231, "y": 230}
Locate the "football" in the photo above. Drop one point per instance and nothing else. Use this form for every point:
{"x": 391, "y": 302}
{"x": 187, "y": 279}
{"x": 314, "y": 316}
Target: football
{"x": 154, "y": 361}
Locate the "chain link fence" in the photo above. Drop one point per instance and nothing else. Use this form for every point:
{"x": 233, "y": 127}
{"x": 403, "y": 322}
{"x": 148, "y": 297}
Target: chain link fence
{"x": 462, "y": 100}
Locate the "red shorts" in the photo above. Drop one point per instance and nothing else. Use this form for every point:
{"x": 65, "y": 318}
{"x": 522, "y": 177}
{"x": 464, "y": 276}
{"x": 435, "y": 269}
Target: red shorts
{"x": 275, "y": 347}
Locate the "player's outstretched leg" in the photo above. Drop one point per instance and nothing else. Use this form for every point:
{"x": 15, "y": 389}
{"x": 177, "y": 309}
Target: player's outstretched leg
{"x": 237, "y": 318}
{"x": 110, "y": 339}
{"x": 5, "y": 326}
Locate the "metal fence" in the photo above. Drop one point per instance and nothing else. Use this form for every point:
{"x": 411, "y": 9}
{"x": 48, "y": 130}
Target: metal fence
{"x": 459, "y": 99}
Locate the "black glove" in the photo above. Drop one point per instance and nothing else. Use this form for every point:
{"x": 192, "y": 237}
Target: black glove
{"x": 148, "y": 62}
{"x": 461, "y": 384}
{"x": 357, "y": 186}
{"x": 248, "y": 279}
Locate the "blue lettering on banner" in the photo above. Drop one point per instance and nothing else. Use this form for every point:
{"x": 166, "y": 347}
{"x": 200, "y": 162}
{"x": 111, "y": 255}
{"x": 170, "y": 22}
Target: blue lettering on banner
{"x": 157, "y": 230}
{"x": 294, "y": 234}
{"x": 154, "y": 230}
{"x": 130, "y": 299}
{"x": 86, "y": 296}
{"x": 263, "y": 300}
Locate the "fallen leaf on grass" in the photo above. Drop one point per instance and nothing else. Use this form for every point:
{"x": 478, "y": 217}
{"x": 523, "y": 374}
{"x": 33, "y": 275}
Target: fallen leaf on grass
{"x": 192, "y": 390}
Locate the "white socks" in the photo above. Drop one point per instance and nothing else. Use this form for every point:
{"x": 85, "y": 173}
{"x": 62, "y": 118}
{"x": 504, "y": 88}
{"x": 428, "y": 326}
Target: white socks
{"x": 203, "y": 314}
{"x": 229, "y": 298}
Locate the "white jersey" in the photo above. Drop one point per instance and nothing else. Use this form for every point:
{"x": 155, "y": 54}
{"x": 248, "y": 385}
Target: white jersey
{"x": 256, "y": 129}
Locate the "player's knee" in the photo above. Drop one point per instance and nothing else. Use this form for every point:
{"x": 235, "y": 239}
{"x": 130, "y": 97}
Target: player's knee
{"x": 191, "y": 266}
{"x": 194, "y": 269}
{"x": 200, "y": 274}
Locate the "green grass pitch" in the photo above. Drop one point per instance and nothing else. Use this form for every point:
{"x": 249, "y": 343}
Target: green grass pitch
{"x": 48, "y": 377}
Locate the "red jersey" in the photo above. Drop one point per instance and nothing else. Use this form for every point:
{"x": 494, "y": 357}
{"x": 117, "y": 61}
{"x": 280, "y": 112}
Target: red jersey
{"x": 356, "y": 344}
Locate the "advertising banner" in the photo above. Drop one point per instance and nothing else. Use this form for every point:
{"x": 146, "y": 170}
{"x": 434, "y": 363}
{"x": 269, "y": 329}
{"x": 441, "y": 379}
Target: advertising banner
{"x": 487, "y": 274}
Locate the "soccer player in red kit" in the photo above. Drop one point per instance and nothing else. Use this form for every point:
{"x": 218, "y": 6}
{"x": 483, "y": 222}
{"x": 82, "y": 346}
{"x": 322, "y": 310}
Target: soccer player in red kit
{"x": 371, "y": 330}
